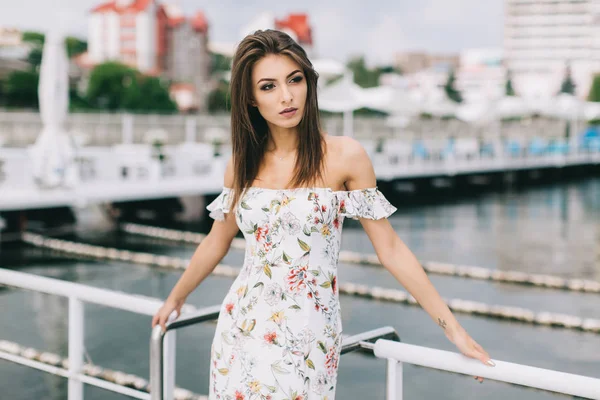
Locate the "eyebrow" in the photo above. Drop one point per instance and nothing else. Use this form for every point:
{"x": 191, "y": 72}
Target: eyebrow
{"x": 271, "y": 79}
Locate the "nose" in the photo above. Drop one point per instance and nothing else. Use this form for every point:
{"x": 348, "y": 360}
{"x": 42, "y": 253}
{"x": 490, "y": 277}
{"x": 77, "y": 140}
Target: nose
{"x": 286, "y": 95}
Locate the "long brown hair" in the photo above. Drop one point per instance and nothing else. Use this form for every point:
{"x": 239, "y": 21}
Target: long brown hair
{"x": 249, "y": 130}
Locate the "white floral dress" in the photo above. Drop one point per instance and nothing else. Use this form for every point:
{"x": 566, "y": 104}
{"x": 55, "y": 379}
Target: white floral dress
{"x": 279, "y": 333}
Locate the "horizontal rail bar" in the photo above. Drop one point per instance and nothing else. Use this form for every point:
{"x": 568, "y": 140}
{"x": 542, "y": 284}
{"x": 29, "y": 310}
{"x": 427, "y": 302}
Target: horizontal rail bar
{"x": 134, "y": 303}
{"x": 113, "y": 387}
{"x": 545, "y": 379}
{"x": 363, "y": 340}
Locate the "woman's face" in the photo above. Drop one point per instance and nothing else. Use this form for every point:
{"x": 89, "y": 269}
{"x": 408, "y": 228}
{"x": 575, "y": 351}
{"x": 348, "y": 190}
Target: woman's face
{"x": 279, "y": 90}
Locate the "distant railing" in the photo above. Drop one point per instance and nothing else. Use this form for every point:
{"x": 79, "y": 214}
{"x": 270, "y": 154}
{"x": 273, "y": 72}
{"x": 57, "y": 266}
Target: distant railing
{"x": 21, "y": 128}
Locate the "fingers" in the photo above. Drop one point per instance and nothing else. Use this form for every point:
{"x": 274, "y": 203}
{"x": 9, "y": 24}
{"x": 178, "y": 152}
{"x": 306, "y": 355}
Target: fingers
{"x": 478, "y": 378}
{"x": 482, "y": 355}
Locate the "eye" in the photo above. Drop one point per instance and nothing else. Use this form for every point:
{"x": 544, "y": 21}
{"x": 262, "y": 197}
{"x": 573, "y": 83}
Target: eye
{"x": 266, "y": 87}
{"x": 297, "y": 78}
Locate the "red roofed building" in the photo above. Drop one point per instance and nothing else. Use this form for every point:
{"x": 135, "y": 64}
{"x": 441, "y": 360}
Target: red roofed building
{"x": 156, "y": 38}
{"x": 295, "y": 25}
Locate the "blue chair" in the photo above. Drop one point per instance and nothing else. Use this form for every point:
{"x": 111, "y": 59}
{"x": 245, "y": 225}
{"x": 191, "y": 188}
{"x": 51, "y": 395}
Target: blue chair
{"x": 537, "y": 147}
{"x": 512, "y": 148}
{"x": 558, "y": 147}
{"x": 419, "y": 150}
{"x": 590, "y": 139}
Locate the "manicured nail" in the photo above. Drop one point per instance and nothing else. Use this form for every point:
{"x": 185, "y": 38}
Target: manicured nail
{"x": 490, "y": 363}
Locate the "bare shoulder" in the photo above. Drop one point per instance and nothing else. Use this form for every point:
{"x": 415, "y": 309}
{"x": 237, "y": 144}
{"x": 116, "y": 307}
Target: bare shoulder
{"x": 346, "y": 149}
{"x": 350, "y": 159}
{"x": 228, "y": 178}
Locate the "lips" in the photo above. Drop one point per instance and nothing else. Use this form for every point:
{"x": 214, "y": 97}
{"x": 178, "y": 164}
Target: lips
{"x": 288, "y": 112}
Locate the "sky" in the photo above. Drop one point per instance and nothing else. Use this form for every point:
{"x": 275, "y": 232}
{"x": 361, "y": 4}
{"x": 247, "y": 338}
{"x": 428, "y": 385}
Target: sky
{"x": 341, "y": 28}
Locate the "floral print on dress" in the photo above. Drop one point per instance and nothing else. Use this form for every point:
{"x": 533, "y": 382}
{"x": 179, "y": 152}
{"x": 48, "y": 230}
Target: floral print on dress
{"x": 279, "y": 333}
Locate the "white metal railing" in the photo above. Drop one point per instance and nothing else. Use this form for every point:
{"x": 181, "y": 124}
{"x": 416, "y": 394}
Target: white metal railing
{"x": 162, "y": 359}
{"x": 128, "y": 173}
{"x": 554, "y": 381}
{"x": 78, "y": 295}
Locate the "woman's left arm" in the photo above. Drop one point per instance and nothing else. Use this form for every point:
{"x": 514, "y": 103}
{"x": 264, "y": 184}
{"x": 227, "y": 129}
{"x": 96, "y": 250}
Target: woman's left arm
{"x": 397, "y": 258}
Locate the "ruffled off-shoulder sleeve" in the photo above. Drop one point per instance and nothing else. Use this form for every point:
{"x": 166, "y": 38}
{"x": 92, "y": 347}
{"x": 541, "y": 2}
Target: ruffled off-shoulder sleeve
{"x": 220, "y": 206}
{"x": 364, "y": 203}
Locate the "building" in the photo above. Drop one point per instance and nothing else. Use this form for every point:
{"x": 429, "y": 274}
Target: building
{"x": 13, "y": 52}
{"x": 10, "y": 37}
{"x": 155, "y": 38}
{"x": 416, "y": 61}
{"x": 126, "y": 31}
{"x": 543, "y": 38}
{"x": 186, "y": 59}
{"x": 295, "y": 25}
{"x": 481, "y": 74}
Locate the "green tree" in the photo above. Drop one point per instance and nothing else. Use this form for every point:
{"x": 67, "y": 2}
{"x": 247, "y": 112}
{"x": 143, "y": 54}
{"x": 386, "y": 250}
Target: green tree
{"x": 36, "y": 38}
{"x": 75, "y": 46}
{"x": 509, "y": 90}
{"x": 219, "y": 63}
{"x": 363, "y": 76}
{"x": 389, "y": 69}
{"x": 218, "y": 98}
{"x": 594, "y": 94}
{"x": 21, "y": 89}
{"x": 115, "y": 86}
{"x": 568, "y": 85}
{"x": 108, "y": 84}
{"x": 450, "y": 89}
{"x": 153, "y": 95}
{"x": 2, "y": 94}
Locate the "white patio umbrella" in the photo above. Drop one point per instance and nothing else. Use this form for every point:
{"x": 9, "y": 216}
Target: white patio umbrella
{"x": 439, "y": 104}
{"x": 494, "y": 110}
{"x": 328, "y": 68}
{"x": 565, "y": 106}
{"x": 343, "y": 96}
{"x": 53, "y": 153}
{"x": 394, "y": 101}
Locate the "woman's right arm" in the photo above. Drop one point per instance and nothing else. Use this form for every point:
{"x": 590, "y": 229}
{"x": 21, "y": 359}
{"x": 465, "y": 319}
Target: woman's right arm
{"x": 206, "y": 257}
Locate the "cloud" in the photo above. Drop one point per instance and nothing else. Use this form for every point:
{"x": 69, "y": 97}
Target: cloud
{"x": 330, "y": 33}
{"x": 384, "y": 40}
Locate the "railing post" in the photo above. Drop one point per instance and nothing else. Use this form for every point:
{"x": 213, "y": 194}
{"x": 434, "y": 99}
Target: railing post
{"x": 394, "y": 380}
{"x": 76, "y": 340}
{"x": 190, "y": 130}
{"x": 127, "y": 129}
{"x": 169, "y": 364}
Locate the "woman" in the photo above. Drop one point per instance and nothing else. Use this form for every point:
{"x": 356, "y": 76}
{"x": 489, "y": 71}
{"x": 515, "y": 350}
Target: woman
{"x": 288, "y": 187}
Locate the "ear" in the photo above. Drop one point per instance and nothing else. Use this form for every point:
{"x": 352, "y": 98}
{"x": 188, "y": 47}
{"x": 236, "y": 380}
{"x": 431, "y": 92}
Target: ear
{"x": 253, "y": 103}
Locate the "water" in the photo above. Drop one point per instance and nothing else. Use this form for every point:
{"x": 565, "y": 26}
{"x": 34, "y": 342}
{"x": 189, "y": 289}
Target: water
{"x": 552, "y": 230}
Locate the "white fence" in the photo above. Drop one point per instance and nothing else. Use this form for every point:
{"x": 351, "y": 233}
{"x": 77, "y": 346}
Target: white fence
{"x": 20, "y": 129}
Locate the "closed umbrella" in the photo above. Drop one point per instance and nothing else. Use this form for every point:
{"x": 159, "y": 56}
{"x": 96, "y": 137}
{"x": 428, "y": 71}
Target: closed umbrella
{"x": 53, "y": 153}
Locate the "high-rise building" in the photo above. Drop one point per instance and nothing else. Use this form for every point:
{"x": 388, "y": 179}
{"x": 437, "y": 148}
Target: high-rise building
{"x": 156, "y": 38}
{"x": 126, "y": 31}
{"x": 544, "y": 38}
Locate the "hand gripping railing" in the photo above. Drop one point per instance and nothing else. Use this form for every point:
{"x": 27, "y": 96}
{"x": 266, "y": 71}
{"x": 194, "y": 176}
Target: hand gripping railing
{"x": 158, "y": 352}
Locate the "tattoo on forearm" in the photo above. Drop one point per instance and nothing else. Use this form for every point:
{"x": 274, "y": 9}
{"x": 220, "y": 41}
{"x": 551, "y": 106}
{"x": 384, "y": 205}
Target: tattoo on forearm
{"x": 442, "y": 323}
